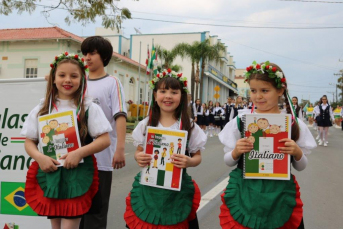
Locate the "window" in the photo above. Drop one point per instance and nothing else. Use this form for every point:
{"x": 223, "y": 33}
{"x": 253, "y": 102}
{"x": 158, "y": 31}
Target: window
{"x": 31, "y": 68}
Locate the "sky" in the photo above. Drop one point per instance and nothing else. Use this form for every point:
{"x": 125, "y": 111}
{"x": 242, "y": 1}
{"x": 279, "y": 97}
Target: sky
{"x": 309, "y": 58}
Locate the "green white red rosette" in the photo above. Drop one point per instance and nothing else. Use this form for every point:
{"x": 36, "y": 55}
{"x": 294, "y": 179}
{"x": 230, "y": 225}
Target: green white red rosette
{"x": 168, "y": 73}
{"x": 266, "y": 67}
{"x": 72, "y": 56}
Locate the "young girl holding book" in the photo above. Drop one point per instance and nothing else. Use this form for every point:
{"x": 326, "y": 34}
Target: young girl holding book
{"x": 259, "y": 203}
{"x": 150, "y": 207}
{"x": 65, "y": 193}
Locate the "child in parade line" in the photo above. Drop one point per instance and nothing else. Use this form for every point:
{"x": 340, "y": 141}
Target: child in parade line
{"x": 309, "y": 114}
{"x": 238, "y": 106}
{"x": 315, "y": 126}
{"x": 297, "y": 108}
{"x": 173, "y": 209}
{"x": 342, "y": 117}
{"x": 256, "y": 203}
{"x": 324, "y": 115}
{"x": 108, "y": 93}
{"x": 199, "y": 113}
{"x": 44, "y": 191}
{"x": 227, "y": 109}
{"x": 211, "y": 118}
{"x": 206, "y": 117}
{"x": 337, "y": 116}
{"x": 218, "y": 113}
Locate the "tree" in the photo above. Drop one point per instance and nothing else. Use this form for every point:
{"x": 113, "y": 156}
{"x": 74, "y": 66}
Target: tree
{"x": 167, "y": 58}
{"x": 340, "y": 86}
{"x": 83, "y": 11}
{"x": 191, "y": 51}
{"x": 208, "y": 53}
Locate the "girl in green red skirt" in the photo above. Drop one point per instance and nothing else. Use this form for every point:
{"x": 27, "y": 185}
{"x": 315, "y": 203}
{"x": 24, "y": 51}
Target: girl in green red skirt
{"x": 156, "y": 208}
{"x": 260, "y": 203}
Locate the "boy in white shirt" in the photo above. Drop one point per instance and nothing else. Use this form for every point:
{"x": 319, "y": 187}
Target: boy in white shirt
{"x": 107, "y": 92}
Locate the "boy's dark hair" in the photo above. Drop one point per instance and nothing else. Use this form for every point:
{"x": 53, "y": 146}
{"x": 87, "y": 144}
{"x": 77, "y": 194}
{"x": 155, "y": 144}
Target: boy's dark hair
{"x": 156, "y": 151}
{"x": 179, "y": 139}
{"x": 99, "y": 44}
{"x": 165, "y": 148}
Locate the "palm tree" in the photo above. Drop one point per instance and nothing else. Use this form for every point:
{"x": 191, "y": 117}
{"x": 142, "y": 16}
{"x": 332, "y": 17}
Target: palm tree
{"x": 208, "y": 53}
{"x": 167, "y": 58}
{"x": 191, "y": 51}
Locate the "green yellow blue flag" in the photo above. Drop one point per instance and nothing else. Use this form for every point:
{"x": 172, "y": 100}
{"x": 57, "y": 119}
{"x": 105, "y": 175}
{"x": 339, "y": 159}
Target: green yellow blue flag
{"x": 13, "y": 199}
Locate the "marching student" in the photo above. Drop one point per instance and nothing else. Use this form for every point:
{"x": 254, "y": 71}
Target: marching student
{"x": 257, "y": 203}
{"x": 108, "y": 93}
{"x": 145, "y": 204}
{"x": 324, "y": 115}
{"x": 58, "y": 192}
{"x": 297, "y": 108}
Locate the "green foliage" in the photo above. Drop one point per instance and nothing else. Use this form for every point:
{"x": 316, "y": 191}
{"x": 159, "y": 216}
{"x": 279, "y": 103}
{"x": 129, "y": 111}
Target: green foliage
{"x": 83, "y": 11}
{"x": 140, "y": 118}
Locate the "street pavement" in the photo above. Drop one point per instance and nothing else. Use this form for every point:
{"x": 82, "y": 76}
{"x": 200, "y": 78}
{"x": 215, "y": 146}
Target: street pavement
{"x": 321, "y": 184}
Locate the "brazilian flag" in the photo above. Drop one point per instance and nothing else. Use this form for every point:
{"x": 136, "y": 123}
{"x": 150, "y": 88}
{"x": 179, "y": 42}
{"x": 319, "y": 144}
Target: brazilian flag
{"x": 13, "y": 199}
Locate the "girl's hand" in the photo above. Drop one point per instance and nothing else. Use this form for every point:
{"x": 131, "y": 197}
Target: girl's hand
{"x": 292, "y": 148}
{"x": 72, "y": 159}
{"x": 142, "y": 158}
{"x": 243, "y": 145}
{"x": 47, "y": 164}
{"x": 181, "y": 161}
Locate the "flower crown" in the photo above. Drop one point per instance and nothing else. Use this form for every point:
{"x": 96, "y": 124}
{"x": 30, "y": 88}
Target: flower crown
{"x": 272, "y": 72}
{"x": 168, "y": 73}
{"x": 70, "y": 56}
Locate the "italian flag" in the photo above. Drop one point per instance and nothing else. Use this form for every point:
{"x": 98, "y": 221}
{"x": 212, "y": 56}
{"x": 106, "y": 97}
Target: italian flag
{"x": 169, "y": 177}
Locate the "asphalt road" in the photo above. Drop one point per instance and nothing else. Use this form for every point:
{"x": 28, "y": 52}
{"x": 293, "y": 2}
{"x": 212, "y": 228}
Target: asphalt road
{"x": 321, "y": 184}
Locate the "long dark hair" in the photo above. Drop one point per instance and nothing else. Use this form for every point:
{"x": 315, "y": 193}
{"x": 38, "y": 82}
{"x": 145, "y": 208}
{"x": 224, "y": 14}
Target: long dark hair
{"x": 172, "y": 83}
{"x": 266, "y": 78}
{"x": 51, "y": 90}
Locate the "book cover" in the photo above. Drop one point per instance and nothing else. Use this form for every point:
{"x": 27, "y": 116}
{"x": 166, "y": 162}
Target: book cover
{"x": 265, "y": 160}
{"x": 161, "y": 143}
{"x": 59, "y": 134}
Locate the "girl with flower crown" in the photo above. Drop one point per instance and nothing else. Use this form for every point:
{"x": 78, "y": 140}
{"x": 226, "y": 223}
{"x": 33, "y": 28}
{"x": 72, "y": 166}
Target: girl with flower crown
{"x": 65, "y": 193}
{"x": 257, "y": 203}
{"x": 155, "y": 208}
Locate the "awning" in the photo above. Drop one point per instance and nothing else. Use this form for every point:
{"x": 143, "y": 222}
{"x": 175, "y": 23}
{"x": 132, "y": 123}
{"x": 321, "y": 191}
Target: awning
{"x": 221, "y": 82}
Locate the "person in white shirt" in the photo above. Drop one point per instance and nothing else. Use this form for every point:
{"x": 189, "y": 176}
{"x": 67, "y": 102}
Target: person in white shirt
{"x": 218, "y": 113}
{"x": 297, "y": 108}
{"x": 324, "y": 115}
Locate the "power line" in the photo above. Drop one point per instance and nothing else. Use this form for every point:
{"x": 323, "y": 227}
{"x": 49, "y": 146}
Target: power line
{"x": 289, "y": 58}
{"x": 240, "y": 26}
{"x": 237, "y": 21}
{"x": 309, "y": 1}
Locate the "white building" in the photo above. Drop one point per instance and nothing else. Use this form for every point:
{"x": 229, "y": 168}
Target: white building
{"x": 216, "y": 74}
{"x": 243, "y": 88}
{"x": 27, "y": 53}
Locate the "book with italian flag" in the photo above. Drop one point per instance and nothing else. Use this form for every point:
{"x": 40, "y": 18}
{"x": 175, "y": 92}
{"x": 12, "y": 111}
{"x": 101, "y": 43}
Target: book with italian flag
{"x": 161, "y": 144}
{"x": 265, "y": 161}
{"x": 58, "y": 134}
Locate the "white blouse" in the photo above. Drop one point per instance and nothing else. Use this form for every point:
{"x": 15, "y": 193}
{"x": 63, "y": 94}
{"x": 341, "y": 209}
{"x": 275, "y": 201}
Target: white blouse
{"x": 231, "y": 134}
{"x": 196, "y": 142}
{"x": 97, "y": 122}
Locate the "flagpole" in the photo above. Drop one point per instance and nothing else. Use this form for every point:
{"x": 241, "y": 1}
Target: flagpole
{"x": 139, "y": 77}
{"x": 144, "y": 89}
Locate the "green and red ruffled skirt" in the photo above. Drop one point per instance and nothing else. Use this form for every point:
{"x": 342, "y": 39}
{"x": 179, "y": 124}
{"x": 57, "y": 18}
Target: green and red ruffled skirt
{"x": 63, "y": 193}
{"x": 264, "y": 204}
{"x": 155, "y": 208}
